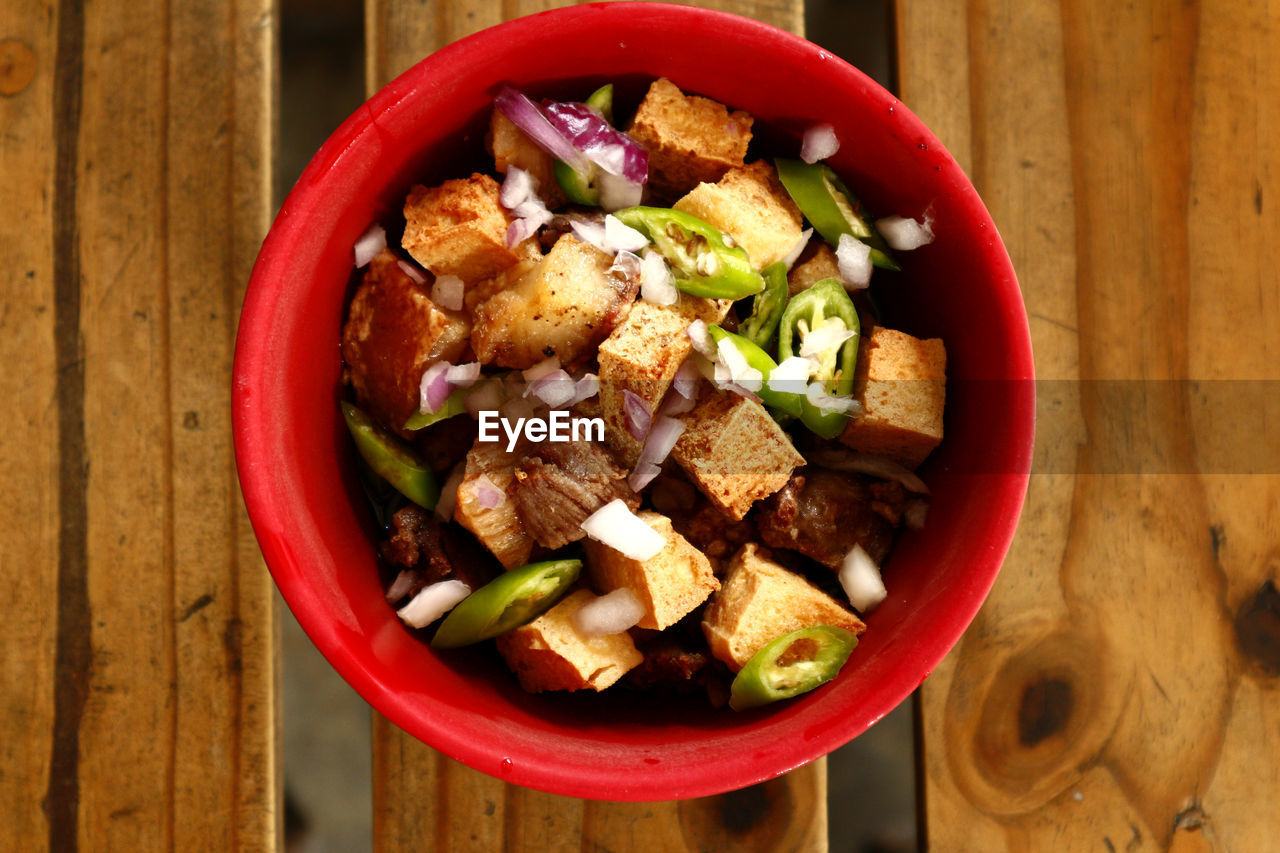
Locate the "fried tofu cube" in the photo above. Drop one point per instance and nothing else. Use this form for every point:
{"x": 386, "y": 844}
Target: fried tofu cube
{"x": 498, "y": 528}
{"x": 815, "y": 263}
{"x": 511, "y": 146}
{"x": 901, "y": 382}
{"x": 550, "y": 654}
{"x": 392, "y": 334}
{"x": 750, "y": 205}
{"x": 564, "y": 305}
{"x": 458, "y": 228}
{"x": 690, "y": 139}
{"x": 760, "y": 601}
{"x": 669, "y": 585}
{"x": 642, "y": 355}
{"x": 734, "y": 452}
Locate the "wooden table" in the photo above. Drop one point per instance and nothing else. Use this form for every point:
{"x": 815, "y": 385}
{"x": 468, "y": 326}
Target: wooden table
{"x": 1117, "y": 692}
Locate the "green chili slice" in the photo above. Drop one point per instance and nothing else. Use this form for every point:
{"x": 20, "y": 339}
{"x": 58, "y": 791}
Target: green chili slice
{"x": 790, "y": 665}
{"x": 826, "y": 303}
{"x": 601, "y": 100}
{"x": 767, "y": 307}
{"x": 701, "y": 262}
{"x": 830, "y": 207}
{"x": 454, "y": 404}
{"x": 392, "y": 459}
{"x": 508, "y": 601}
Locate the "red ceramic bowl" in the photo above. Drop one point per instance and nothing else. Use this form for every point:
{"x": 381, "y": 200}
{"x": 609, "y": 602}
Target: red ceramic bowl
{"x": 295, "y": 460}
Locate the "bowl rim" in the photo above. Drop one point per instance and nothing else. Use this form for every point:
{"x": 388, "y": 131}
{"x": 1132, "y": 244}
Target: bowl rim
{"x": 252, "y": 394}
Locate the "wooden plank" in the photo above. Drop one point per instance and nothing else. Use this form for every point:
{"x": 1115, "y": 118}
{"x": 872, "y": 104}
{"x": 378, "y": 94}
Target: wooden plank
{"x": 423, "y": 800}
{"x": 1112, "y": 693}
{"x": 139, "y": 683}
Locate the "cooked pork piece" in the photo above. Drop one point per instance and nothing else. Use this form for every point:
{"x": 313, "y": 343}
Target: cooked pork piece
{"x": 822, "y": 514}
{"x": 428, "y": 552}
{"x": 560, "y": 484}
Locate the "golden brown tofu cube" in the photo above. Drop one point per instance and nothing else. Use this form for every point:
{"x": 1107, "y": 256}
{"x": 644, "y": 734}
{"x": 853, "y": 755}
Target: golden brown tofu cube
{"x": 815, "y": 263}
{"x": 690, "y": 139}
{"x": 562, "y": 305}
{"x": 734, "y": 451}
{"x": 392, "y": 334}
{"x": 498, "y": 528}
{"x": 510, "y": 146}
{"x": 669, "y": 584}
{"x": 458, "y": 228}
{"x": 901, "y": 382}
{"x": 750, "y": 205}
{"x": 642, "y": 355}
{"x": 760, "y": 601}
{"x": 550, "y": 654}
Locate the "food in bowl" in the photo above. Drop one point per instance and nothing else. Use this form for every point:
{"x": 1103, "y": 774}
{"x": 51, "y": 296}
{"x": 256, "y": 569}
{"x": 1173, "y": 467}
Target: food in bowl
{"x": 706, "y": 439}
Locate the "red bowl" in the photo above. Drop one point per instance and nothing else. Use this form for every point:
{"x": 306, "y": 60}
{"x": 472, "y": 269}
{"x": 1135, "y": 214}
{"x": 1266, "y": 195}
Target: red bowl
{"x": 295, "y": 461}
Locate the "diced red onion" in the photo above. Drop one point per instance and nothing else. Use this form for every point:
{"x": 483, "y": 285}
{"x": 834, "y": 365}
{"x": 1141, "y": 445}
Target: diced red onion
{"x": 798, "y": 248}
{"x": 617, "y": 192}
{"x": 627, "y": 264}
{"x": 700, "y": 337}
{"x": 448, "y": 291}
{"x": 855, "y": 462}
{"x": 586, "y": 387}
{"x": 517, "y": 188}
{"x": 589, "y": 231}
{"x": 657, "y": 285}
{"x": 739, "y": 371}
{"x": 635, "y": 414}
{"x": 370, "y": 244}
{"x": 740, "y": 391}
{"x": 413, "y": 272}
{"x": 518, "y": 407}
{"x": 621, "y": 237}
{"x": 676, "y": 404}
{"x": 610, "y": 149}
{"x": 643, "y": 475}
{"x": 556, "y": 389}
{"x": 527, "y": 116}
{"x": 915, "y": 513}
{"x": 433, "y": 602}
{"x": 662, "y": 437}
{"x": 449, "y": 492}
{"x": 486, "y": 398}
{"x": 622, "y": 530}
{"x": 519, "y": 195}
{"x": 854, "y": 259}
{"x": 488, "y": 495}
{"x": 905, "y": 234}
{"x": 402, "y": 585}
{"x": 819, "y": 143}
{"x": 612, "y": 613}
{"x": 685, "y": 382}
{"x": 861, "y": 580}
{"x": 434, "y": 389}
{"x": 819, "y": 398}
{"x": 541, "y": 369}
{"x": 463, "y": 375}
{"x": 828, "y": 336}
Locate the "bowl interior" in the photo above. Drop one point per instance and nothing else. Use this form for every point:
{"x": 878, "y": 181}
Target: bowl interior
{"x": 295, "y": 461}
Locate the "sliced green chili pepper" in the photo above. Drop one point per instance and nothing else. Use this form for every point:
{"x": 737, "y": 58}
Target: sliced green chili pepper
{"x": 790, "y": 665}
{"x": 783, "y": 401}
{"x": 454, "y": 404}
{"x": 508, "y": 601}
{"x": 826, "y": 303}
{"x": 829, "y": 206}
{"x": 703, "y": 265}
{"x": 766, "y": 309}
{"x": 601, "y": 100}
{"x": 392, "y": 459}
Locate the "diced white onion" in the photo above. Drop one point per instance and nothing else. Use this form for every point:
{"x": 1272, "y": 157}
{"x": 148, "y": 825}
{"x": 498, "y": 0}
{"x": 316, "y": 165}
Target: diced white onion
{"x": 449, "y": 492}
{"x": 657, "y": 285}
{"x": 617, "y": 192}
{"x": 856, "y": 462}
{"x": 791, "y": 376}
{"x": 413, "y": 273}
{"x": 740, "y": 372}
{"x": 609, "y": 614}
{"x": 819, "y": 143}
{"x": 828, "y": 336}
{"x": 370, "y": 243}
{"x": 519, "y": 195}
{"x": 905, "y": 234}
{"x": 861, "y": 579}
{"x": 433, "y": 389}
{"x": 433, "y": 602}
{"x": 622, "y": 237}
{"x": 518, "y": 407}
{"x": 627, "y": 264}
{"x": 622, "y": 530}
{"x": 589, "y": 232}
{"x": 541, "y": 369}
{"x": 854, "y": 259}
{"x": 448, "y": 291}
{"x": 797, "y": 249}
{"x": 517, "y": 187}
{"x": 556, "y": 389}
{"x": 401, "y": 585}
{"x": 488, "y": 495}
{"x": 700, "y": 337}
{"x": 819, "y": 398}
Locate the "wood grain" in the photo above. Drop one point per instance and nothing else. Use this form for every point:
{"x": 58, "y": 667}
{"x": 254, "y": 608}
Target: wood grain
{"x": 423, "y": 800}
{"x": 139, "y": 703}
{"x": 1117, "y": 691}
